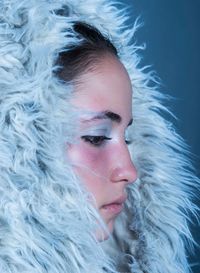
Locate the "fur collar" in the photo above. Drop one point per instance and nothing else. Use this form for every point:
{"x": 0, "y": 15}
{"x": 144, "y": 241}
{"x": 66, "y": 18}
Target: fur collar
{"x": 45, "y": 220}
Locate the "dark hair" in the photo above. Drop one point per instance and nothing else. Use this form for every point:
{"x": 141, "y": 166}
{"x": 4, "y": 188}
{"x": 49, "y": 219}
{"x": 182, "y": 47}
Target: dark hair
{"x": 74, "y": 61}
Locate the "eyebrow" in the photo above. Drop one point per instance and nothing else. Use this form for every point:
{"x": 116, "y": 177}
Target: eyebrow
{"x": 110, "y": 115}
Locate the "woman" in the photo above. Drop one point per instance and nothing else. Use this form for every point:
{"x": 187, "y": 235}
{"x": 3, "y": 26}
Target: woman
{"x": 102, "y": 87}
{"x": 88, "y": 183}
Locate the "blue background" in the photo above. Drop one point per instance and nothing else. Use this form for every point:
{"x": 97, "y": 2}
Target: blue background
{"x": 172, "y": 37}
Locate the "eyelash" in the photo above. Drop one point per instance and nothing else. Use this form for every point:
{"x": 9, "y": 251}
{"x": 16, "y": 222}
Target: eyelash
{"x": 128, "y": 142}
{"x": 97, "y": 141}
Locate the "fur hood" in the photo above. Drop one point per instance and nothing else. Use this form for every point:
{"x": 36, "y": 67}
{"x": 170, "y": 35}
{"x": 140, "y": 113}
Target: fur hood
{"x": 46, "y": 222}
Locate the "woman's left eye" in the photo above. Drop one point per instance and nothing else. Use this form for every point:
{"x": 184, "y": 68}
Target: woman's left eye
{"x": 95, "y": 140}
{"x": 128, "y": 139}
{"x": 128, "y": 142}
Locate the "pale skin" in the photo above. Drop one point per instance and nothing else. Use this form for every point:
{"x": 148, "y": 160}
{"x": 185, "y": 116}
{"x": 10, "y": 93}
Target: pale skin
{"x": 101, "y": 157}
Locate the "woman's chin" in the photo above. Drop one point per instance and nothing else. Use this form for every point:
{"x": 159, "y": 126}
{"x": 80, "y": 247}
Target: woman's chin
{"x": 102, "y": 235}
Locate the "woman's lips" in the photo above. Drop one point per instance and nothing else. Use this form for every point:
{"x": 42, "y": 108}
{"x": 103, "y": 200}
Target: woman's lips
{"x": 114, "y": 208}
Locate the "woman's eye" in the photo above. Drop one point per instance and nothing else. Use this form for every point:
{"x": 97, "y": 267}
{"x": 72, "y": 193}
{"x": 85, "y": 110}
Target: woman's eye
{"x": 128, "y": 142}
{"x": 127, "y": 137}
{"x": 95, "y": 140}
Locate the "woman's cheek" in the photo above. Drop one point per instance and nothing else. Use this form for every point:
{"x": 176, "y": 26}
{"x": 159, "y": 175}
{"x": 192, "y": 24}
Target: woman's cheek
{"x": 90, "y": 165}
{"x": 94, "y": 158}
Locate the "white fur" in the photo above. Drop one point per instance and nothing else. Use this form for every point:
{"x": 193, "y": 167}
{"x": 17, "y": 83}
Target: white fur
{"x": 46, "y": 223}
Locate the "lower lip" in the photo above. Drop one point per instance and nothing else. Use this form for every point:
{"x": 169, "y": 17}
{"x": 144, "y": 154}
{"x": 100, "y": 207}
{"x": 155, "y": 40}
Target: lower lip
{"x": 113, "y": 208}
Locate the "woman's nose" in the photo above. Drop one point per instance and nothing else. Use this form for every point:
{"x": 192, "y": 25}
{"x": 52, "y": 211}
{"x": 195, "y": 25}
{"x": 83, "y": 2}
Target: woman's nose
{"x": 124, "y": 169}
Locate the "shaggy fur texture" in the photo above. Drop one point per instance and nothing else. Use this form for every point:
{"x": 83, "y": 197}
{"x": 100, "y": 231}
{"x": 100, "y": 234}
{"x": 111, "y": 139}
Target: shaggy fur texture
{"x": 46, "y": 222}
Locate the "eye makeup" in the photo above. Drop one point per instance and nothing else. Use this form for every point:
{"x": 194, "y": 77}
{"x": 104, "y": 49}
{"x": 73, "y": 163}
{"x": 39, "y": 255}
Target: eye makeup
{"x": 96, "y": 132}
{"x": 100, "y": 128}
{"x": 97, "y": 129}
{"x": 128, "y": 139}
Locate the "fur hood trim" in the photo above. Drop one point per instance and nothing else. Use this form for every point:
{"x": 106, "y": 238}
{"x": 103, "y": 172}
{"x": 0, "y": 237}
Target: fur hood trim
{"x": 46, "y": 222}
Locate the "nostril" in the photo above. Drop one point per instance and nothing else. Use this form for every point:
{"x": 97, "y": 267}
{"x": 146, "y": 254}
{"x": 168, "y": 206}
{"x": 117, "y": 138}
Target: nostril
{"x": 124, "y": 169}
{"x": 126, "y": 173}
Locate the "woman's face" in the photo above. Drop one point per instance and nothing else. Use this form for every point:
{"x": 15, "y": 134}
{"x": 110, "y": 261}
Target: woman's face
{"x": 101, "y": 157}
